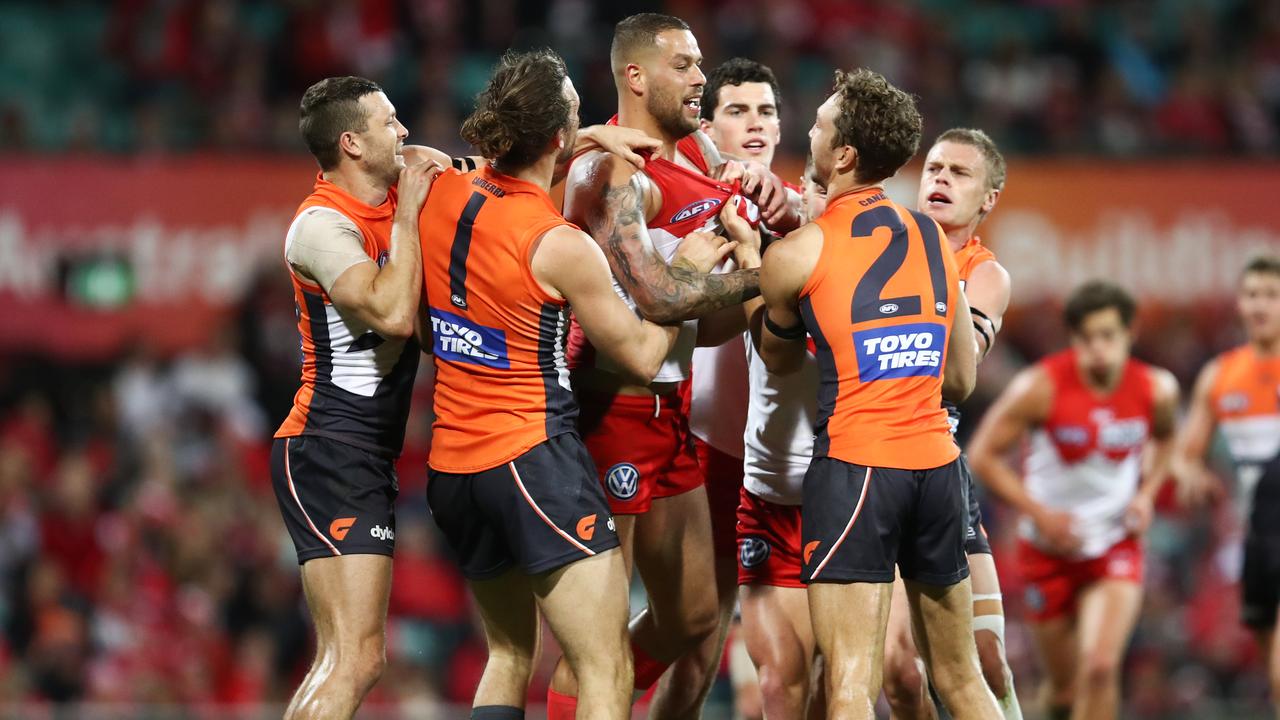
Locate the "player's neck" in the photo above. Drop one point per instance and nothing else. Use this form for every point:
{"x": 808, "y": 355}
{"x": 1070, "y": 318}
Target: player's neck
{"x": 637, "y": 118}
{"x": 358, "y": 184}
{"x": 842, "y": 185}
{"x": 1265, "y": 347}
{"x": 959, "y": 237}
{"x": 539, "y": 173}
{"x": 1103, "y": 385}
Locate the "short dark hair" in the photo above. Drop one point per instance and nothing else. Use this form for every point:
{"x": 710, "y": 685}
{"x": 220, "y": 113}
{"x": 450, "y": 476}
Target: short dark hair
{"x": 330, "y": 108}
{"x": 878, "y": 120}
{"x": 1262, "y": 264}
{"x": 639, "y": 31}
{"x": 736, "y": 71}
{"x": 520, "y": 110}
{"x": 973, "y": 137}
{"x": 1094, "y": 296}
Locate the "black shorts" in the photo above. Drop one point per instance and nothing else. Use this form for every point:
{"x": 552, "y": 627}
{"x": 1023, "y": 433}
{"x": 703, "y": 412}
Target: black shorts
{"x": 1260, "y": 576}
{"x": 858, "y": 522}
{"x": 541, "y": 511}
{"x": 975, "y": 540}
{"x": 336, "y": 499}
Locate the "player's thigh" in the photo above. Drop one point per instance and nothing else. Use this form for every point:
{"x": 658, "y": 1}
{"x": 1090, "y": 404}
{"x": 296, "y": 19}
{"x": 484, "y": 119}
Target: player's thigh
{"x": 1108, "y": 613}
{"x": 348, "y": 596}
{"x": 585, "y": 604}
{"x": 777, "y": 629}
{"x": 850, "y": 647}
{"x": 1055, "y": 641}
{"x": 508, "y": 613}
{"x": 899, "y": 645}
{"x": 672, "y": 550}
{"x": 942, "y": 617}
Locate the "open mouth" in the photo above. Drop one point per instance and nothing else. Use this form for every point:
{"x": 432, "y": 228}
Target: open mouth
{"x": 938, "y": 198}
{"x": 755, "y": 145}
{"x": 694, "y": 103}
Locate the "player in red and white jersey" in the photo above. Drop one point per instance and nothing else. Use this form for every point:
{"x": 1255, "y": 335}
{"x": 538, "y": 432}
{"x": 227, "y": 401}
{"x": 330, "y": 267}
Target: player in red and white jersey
{"x": 638, "y": 434}
{"x": 1100, "y": 426}
{"x": 1239, "y": 393}
{"x": 740, "y": 114}
{"x": 963, "y": 177}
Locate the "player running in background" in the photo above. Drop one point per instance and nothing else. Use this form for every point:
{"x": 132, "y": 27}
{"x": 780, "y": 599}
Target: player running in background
{"x": 353, "y": 256}
{"x": 1239, "y": 392}
{"x": 511, "y": 484}
{"x": 963, "y": 177}
{"x": 875, "y": 287}
{"x": 638, "y": 433}
{"x": 1100, "y": 425}
{"x": 740, "y": 105}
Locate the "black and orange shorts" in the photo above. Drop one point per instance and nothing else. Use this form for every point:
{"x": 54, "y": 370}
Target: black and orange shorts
{"x": 539, "y": 512}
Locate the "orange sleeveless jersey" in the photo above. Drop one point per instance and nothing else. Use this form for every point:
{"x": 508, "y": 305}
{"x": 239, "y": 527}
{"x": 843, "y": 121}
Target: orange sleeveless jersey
{"x": 356, "y": 385}
{"x": 878, "y": 306}
{"x": 969, "y": 256}
{"x": 1245, "y": 397}
{"x": 502, "y": 385}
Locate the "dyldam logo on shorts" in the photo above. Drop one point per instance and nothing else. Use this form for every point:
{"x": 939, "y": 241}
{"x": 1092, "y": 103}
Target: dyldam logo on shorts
{"x": 382, "y": 533}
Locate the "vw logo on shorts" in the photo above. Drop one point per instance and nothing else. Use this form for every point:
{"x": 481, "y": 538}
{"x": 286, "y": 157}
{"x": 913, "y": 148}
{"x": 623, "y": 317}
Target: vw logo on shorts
{"x": 754, "y": 552}
{"x": 1034, "y": 598}
{"x": 623, "y": 481}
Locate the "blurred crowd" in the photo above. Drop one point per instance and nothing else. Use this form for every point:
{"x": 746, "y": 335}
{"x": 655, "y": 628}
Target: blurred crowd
{"x": 1134, "y": 77}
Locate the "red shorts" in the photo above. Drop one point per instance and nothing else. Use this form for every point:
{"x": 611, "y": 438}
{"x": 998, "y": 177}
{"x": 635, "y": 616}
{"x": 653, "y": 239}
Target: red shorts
{"x": 1053, "y": 584}
{"x": 641, "y": 446}
{"x": 722, "y": 474}
{"x": 768, "y": 543}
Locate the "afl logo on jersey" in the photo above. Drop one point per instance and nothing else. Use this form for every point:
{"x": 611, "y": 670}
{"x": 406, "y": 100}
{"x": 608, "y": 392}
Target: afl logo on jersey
{"x": 1236, "y": 402}
{"x": 888, "y": 308}
{"x": 754, "y": 552}
{"x": 383, "y": 257}
{"x": 623, "y": 481}
{"x": 693, "y": 209}
{"x": 940, "y": 307}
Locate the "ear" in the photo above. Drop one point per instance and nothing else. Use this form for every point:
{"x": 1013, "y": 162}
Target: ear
{"x": 989, "y": 202}
{"x": 846, "y": 159}
{"x": 634, "y": 77}
{"x": 704, "y": 125}
{"x": 349, "y": 144}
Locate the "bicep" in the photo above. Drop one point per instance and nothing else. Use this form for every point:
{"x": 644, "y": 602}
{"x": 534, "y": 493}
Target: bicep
{"x": 1198, "y": 427}
{"x": 987, "y": 291}
{"x": 325, "y": 247}
{"x": 1165, "y": 411}
{"x": 576, "y": 268}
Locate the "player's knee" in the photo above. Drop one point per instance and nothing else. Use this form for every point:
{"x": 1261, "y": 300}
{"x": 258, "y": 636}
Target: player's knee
{"x": 1100, "y": 670}
{"x": 991, "y": 658}
{"x": 364, "y": 667}
{"x": 903, "y": 681}
{"x": 700, "y": 623}
{"x": 781, "y": 684}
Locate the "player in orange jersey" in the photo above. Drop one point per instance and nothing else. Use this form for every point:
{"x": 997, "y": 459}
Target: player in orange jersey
{"x": 1101, "y": 429}
{"x": 1239, "y": 392}
{"x": 874, "y": 286}
{"x": 637, "y": 433}
{"x": 511, "y": 484}
{"x": 963, "y": 177}
{"x": 353, "y": 256}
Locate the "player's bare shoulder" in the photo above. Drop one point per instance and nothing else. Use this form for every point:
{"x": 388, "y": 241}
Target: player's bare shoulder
{"x": 596, "y": 178}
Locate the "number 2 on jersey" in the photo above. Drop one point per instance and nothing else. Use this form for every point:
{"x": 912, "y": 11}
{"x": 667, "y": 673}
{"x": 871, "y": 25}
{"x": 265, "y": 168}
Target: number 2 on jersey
{"x": 867, "y": 302}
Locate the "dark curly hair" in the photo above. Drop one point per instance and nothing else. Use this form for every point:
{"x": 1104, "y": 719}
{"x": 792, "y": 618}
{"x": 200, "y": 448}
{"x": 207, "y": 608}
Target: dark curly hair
{"x": 736, "y": 71}
{"x": 880, "y": 121}
{"x": 520, "y": 110}
{"x": 1096, "y": 296}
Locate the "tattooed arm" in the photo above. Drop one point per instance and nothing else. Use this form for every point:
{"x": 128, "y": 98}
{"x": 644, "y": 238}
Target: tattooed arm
{"x": 606, "y": 195}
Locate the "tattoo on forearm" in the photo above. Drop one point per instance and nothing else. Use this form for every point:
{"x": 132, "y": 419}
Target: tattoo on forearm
{"x": 664, "y": 293}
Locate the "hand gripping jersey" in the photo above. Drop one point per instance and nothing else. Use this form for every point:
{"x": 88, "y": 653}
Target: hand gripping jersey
{"x": 878, "y": 307}
{"x": 970, "y": 255}
{"x": 1087, "y": 457}
{"x": 1245, "y": 398}
{"x": 690, "y": 201}
{"x": 502, "y": 385}
{"x": 356, "y": 384}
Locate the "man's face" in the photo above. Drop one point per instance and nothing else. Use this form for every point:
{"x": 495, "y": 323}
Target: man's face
{"x": 1259, "y": 303}
{"x": 745, "y": 122}
{"x": 813, "y": 197}
{"x": 382, "y": 139}
{"x": 1102, "y": 343}
{"x": 673, "y": 82}
{"x": 953, "y": 186}
{"x": 821, "y": 136}
{"x": 571, "y": 135}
